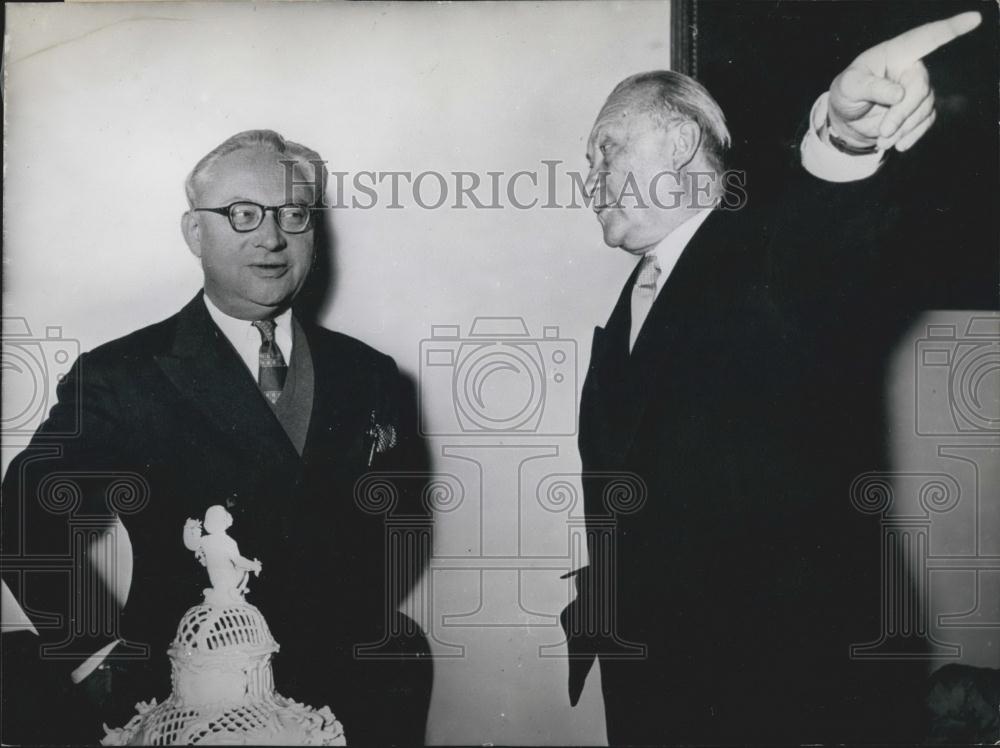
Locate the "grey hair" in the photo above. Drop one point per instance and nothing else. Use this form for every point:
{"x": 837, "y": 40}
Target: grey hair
{"x": 669, "y": 96}
{"x": 268, "y": 140}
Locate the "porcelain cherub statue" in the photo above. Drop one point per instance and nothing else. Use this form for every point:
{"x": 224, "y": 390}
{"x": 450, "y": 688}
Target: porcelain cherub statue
{"x": 228, "y": 571}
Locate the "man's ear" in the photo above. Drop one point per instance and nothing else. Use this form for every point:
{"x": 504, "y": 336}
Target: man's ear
{"x": 685, "y": 143}
{"x": 191, "y": 229}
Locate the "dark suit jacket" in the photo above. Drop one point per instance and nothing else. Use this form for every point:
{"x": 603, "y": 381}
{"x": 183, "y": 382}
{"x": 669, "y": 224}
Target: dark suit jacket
{"x": 171, "y": 416}
{"x": 725, "y": 589}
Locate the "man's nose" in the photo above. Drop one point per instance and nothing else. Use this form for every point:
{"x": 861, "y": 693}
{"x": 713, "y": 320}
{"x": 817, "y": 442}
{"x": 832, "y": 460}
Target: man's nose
{"x": 591, "y": 184}
{"x": 269, "y": 234}
{"x": 596, "y": 184}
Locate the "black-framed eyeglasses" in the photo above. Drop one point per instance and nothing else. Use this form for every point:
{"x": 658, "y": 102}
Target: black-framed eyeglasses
{"x": 245, "y": 216}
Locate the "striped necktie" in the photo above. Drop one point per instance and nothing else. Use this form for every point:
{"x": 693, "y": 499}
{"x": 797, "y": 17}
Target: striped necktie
{"x": 643, "y": 294}
{"x": 272, "y": 367}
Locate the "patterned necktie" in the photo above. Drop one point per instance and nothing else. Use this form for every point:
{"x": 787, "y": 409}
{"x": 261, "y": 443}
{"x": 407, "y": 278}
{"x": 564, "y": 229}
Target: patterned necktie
{"x": 643, "y": 294}
{"x": 272, "y": 367}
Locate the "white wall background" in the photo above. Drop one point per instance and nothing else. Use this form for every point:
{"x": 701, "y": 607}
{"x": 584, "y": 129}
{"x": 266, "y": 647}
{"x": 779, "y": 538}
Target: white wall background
{"x": 108, "y": 108}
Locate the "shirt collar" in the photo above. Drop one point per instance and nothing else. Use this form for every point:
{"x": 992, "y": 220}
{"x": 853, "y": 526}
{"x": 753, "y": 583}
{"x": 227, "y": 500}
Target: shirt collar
{"x": 239, "y": 330}
{"x": 668, "y": 250}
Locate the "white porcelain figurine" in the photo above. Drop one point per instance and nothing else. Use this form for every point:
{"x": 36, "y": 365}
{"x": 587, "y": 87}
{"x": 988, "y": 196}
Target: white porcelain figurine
{"x": 228, "y": 571}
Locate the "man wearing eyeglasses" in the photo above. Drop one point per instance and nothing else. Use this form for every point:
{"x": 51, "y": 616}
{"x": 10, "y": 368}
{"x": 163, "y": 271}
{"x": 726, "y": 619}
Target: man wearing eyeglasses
{"x": 235, "y": 400}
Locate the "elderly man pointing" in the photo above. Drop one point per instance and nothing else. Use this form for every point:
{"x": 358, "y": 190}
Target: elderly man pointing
{"x": 733, "y": 598}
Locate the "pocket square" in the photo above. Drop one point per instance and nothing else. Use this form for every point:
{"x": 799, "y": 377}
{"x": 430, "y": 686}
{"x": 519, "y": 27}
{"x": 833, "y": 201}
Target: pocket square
{"x": 382, "y": 438}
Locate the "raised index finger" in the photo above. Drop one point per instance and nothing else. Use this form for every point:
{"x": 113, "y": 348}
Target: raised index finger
{"x": 917, "y": 43}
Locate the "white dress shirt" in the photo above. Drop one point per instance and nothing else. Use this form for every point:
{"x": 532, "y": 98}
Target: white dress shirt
{"x": 245, "y": 338}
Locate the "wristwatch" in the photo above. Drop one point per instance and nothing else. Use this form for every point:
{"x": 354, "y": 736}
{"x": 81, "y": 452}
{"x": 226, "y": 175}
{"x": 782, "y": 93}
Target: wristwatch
{"x": 844, "y": 147}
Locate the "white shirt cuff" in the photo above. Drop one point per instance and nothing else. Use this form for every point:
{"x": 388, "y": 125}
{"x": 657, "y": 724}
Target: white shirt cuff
{"x": 824, "y": 161}
{"x": 92, "y": 663}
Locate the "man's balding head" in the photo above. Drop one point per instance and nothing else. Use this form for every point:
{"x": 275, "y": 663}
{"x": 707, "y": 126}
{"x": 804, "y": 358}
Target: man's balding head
{"x": 669, "y": 98}
{"x": 308, "y": 164}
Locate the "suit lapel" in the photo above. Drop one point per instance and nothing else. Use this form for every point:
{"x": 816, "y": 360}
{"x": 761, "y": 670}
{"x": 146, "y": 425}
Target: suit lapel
{"x": 644, "y": 375}
{"x": 602, "y": 420}
{"x": 336, "y": 392}
{"x": 206, "y": 369}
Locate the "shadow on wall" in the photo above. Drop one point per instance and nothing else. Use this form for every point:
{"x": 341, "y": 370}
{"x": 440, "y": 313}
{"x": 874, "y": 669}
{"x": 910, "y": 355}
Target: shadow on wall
{"x": 316, "y": 297}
